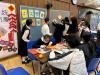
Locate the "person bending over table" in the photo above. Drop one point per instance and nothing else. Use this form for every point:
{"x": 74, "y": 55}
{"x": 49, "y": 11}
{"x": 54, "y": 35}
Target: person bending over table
{"x": 43, "y": 42}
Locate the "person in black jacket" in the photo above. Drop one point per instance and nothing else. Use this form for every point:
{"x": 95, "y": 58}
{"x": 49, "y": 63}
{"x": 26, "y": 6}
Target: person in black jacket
{"x": 88, "y": 46}
{"x": 66, "y": 24}
{"x": 73, "y": 28}
{"x": 59, "y": 28}
{"x": 87, "y": 18}
{"x": 23, "y": 42}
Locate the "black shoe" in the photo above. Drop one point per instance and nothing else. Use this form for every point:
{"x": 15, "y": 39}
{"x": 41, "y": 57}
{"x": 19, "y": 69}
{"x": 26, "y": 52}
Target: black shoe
{"x": 28, "y": 59}
{"x": 25, "y": 62}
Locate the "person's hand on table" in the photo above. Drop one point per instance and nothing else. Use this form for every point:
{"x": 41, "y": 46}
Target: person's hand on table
{"x": 61, "y": 46}
{"x": 43, "y": 46}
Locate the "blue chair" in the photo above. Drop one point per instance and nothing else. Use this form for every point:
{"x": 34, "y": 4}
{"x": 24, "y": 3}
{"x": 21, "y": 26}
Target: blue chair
{"x": 53, "y": 40}
{"x": 98, "y": 73}
{"x": 93, "y": 65}
{"x": 33, "y": 58}
{"x": 98, "y": 50}
{"x": 29, "y": 46}
{"x": 14, "y": 71}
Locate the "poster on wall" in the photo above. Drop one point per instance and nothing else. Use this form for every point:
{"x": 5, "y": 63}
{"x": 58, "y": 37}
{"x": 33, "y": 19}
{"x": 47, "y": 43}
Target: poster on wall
{"x": 24, "y": 13}
{"x": 8, "y": 30}
{"x": 37, "y": 15}
{"x": 31, "y": 13}
{"x": 42, "y": 14}
{"x": 38, "y": 22}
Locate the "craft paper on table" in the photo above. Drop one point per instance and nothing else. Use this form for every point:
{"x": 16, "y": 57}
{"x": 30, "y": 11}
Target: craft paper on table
{"x": 38, "y": 22}
{"x": 33, "y": 24}
{"x": 37, "y": 14}
{"x": 8, "y": 30}
{"x": 42, "y": 14}
{"x": 31, "y": 13}
{"x": 24, "y": 13}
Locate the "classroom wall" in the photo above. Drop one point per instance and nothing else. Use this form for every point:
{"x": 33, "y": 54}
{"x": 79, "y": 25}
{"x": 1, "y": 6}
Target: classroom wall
{"x": 57, "y": 4}
{"x": 42, "y": 4}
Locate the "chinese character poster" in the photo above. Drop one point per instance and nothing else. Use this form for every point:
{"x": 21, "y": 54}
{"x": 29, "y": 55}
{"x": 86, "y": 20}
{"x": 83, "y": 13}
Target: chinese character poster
{"x": 8, "y": 30}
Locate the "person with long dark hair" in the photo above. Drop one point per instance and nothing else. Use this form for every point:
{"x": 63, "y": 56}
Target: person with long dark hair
{"x": 73, "y": 28}
{"x": 59, "y": 28}
{"x": 23, "y": 42}
{"x": 45, "y": 28}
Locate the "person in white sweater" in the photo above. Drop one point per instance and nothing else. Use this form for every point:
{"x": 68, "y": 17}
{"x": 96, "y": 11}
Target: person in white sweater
{"x": 45, "y": 28}
{"x": 72, "y": 58}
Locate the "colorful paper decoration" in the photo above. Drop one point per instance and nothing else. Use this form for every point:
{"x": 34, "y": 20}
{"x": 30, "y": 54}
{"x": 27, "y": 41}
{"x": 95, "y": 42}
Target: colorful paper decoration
{"x": 8, "y": 30}
{"x": 31, "y": 13}
{"x": 37, "y": 14}
{"x": 24, "y": 13}
{"x": 38, "y": 22}
{"x": 42, "y": 14}
{"x": 11, "y": 7}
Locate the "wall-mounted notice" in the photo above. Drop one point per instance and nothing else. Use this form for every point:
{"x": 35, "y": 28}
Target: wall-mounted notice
{"x": 37, "y": 15}
{"x": 8, "y": 30}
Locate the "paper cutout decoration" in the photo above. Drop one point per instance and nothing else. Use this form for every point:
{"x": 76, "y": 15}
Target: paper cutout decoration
{"x": 42, "y": 14}
{"x": 33, "y": 24}
{"x": 38, "y": 22}
{"x": 31, "y": 13}
{"x": 37, "y": 14}
{"x": 11, "y": 8}
{"x": 24, "y": 13}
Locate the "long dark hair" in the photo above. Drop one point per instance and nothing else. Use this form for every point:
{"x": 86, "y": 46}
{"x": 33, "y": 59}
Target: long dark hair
{"x": 74, "y": 21}
{"x": 72, "y": 41}
{"x": 73, "y": 28}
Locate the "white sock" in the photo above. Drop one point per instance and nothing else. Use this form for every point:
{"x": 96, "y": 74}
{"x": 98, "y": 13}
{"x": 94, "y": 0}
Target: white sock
{"x": 23, "y": 58}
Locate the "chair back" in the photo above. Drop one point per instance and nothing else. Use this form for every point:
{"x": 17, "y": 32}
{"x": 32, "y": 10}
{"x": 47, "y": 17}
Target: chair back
{"x": 98, "y": 49}
{"x": 93, "y": 64}
{"x": 30, "y": 44}
{"x": 2, "y": 70}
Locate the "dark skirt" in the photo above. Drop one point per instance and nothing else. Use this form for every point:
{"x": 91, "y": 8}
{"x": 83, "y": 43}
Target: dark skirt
{"x": 23, "y": 48}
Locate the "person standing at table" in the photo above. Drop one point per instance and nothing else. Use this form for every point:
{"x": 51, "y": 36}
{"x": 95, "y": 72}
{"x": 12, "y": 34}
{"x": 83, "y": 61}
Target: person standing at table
{"x": 59, "y": 28}
{"x": 24, "y": 39}
{"x": 45, "y": 28}
{"x": 66, "y": 24}
{"x": 87, "y": 18}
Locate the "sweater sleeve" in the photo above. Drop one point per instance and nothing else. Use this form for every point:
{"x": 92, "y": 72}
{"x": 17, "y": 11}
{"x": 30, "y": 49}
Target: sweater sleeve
{"x": 45, "y": 30}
